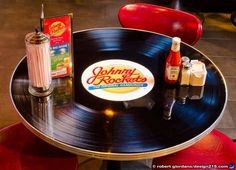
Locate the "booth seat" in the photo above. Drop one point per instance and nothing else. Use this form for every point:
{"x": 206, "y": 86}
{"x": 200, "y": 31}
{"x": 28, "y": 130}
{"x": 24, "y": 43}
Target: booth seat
{"x": 215, "y": 151}
{"x": 22, "y": 150}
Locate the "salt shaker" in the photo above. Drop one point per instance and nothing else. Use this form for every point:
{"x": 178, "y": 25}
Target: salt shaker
{"x": 39, "y": 63}
{"x": 185, "y": 73}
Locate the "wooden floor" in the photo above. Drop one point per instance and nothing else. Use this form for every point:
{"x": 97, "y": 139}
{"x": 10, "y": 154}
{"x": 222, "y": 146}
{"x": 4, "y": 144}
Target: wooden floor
{"x": 17, "y": 18}
{"x": 218, "y": 42}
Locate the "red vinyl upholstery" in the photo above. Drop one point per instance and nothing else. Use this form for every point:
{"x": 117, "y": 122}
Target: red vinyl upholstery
{"x": 161, "y": 20}
{"x": 216, "y": 149}
{"x": 22, "y": 150}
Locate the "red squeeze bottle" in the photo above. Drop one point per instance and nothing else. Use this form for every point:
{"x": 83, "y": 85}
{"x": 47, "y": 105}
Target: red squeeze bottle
{"x": 173, "y": 62}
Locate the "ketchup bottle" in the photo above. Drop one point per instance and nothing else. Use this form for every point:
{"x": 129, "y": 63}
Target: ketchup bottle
{"x": 173, "y": 62}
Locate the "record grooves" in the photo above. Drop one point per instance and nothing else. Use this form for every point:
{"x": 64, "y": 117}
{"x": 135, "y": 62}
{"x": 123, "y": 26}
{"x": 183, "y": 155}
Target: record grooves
{"x": 127, "y": 130}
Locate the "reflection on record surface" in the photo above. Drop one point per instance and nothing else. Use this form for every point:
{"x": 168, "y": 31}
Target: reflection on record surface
{"x": 141, "y": 126}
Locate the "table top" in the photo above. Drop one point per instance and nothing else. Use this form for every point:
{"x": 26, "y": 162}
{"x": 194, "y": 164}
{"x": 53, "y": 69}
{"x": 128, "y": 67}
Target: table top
{"x": 153, "y": 125}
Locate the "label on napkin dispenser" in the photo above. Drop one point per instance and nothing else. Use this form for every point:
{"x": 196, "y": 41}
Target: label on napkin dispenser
{"x": 117, "y": 80}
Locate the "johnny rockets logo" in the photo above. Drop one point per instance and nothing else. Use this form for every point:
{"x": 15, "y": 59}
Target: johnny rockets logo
{"x": 57, "y": 28}
{"x": 117, "y": 80}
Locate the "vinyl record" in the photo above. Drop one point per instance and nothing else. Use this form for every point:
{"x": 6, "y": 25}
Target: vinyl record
{"x": 160, "y": 121}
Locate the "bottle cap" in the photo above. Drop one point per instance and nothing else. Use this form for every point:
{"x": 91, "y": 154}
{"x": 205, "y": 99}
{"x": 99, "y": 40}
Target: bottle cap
{"x": 186, "y": 65}
{"x": 36, "y": 37}
{"x": 175, "y": 44}
{"x": 185, "y": 58}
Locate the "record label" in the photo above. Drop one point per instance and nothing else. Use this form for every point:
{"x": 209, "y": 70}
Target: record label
{"x": 117, "y": 80}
